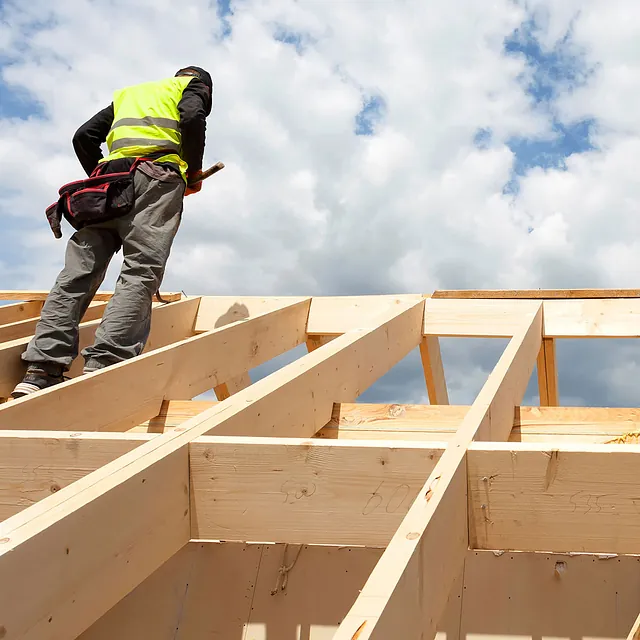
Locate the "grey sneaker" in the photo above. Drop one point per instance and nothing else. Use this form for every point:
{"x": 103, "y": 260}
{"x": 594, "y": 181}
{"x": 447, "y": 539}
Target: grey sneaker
{"x": 37, "y": 379}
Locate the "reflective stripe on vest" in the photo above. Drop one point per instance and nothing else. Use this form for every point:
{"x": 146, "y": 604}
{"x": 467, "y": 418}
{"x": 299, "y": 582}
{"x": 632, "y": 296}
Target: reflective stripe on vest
{"x": 147, "y": 121}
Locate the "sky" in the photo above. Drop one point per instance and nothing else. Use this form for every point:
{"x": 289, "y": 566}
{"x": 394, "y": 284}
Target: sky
{"x": 379, "y": 146}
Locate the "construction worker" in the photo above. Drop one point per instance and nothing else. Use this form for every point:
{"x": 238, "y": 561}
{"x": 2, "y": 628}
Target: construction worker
{"x": 133, "y": 199}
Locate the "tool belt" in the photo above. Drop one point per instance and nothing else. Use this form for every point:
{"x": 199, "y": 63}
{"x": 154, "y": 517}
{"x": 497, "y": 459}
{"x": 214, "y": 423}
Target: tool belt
{"x": 106, "y": 194}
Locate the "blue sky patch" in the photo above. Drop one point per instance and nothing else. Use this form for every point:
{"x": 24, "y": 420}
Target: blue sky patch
{"x": 550, "y": 73}
{"x": 298, "y": 40}
{"x": 15, "y": 102}
{"x": 224, "y": 11}
{"x": 371, "y": 113}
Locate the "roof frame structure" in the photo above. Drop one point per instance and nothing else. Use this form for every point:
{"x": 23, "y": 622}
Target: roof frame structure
{"x": 112, "y": 473}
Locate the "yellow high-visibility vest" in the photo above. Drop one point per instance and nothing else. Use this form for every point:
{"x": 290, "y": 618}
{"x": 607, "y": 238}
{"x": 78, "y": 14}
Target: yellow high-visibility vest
{"x": 146, "y": 120}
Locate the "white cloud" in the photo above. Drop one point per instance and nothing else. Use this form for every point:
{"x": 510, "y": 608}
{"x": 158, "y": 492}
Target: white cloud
{"x": 304, "y": 205}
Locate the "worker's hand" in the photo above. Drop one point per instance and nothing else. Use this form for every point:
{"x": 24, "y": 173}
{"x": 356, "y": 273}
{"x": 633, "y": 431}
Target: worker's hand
{"x": 194, "y": 184}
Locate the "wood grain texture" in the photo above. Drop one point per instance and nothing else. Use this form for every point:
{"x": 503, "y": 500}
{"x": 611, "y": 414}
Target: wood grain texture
{"x": 301, "y": 491}
{"x": 34, "y": 465}
{"x": 127, "y": 526}
{"x": 476, "y": 318}
{"x": 10, "y": 313}
{"x": 555, "y": 498}
{"x": 335, "y": 315}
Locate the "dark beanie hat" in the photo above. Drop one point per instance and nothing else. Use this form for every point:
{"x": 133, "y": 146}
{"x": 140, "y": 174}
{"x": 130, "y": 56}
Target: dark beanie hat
{"x": 202, "y": 75}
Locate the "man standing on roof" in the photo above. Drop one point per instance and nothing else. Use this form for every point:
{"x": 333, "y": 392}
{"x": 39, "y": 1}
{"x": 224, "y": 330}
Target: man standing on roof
{"x": 155, "y": 134}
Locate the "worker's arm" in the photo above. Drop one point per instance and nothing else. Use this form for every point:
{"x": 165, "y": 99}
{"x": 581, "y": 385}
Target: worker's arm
{"x": 194, "y": 108}
{"x": 89, "y": 137}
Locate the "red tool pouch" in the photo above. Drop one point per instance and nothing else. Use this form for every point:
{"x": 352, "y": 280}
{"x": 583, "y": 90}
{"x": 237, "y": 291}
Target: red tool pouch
{"x": 103, "y": 196}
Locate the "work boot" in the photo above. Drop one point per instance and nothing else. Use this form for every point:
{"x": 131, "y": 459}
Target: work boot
{"x": 37, "y": 378}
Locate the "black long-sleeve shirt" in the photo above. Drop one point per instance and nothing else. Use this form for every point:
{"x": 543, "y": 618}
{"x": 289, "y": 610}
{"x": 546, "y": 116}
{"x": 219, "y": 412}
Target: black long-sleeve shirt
{"x": 193, "y": 113}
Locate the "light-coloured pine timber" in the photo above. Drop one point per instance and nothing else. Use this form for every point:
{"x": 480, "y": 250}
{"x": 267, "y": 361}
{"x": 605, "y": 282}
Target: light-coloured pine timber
{"x": 614, "y": 318}
{"x": 169, "y": 323}
{"x": 407, "y": 592}
{"x": 100, "y": 296}
{"x": 335, "y": 315}
{"x": 35, "y": 464}
{"x": 476, "y": 318}
{"x": 24, "y": 328}
{"x": 54, "y": 595}
{"x": 304, "y": 492}
{"x": 555, "y": 498}
{"x": 217, "y": 311}
{"x": 18, "y": 311}
{"x": 548, "y": 373}
{"x": 133, "y": 391}
{"x": 224, "y": 590}
{"x": 535, "y": 294}
{"x": 634, "y": 634}
{"x": 233, "y": 385}
{"x": 433, "y": 370}
{"x": 365, "y": 421}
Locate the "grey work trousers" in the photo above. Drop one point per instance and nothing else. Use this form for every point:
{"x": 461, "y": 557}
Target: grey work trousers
{"x": 146, "y": 235}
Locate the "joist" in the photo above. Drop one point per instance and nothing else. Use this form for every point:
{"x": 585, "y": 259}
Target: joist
{"x": 560, "y": 498}
{"x": 54, "y": 595}
{"x": 407, "y": 591}
{"x": 304, "y": 492}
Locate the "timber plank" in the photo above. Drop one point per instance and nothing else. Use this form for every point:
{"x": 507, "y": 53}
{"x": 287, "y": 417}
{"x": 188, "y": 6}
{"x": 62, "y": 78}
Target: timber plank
{"x": 555, "y": 498}
{"x": 300, "y": 491}
{"x": 10, "y": 313}
{"x": 534, "y": 294}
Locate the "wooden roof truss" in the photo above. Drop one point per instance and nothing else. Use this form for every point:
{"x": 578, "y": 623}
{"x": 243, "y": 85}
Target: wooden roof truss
{"x": 104, "y": 478}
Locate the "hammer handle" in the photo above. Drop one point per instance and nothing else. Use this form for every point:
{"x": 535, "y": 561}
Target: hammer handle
{"x": 209, "y": 172}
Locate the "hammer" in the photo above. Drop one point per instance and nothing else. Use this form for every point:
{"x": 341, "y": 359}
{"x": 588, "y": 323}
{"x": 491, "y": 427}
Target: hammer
{"x": 209, "y": 172}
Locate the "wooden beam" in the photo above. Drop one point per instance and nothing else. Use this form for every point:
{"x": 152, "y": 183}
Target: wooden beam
{"x": 407, "y": 591}
{"x": 217, "y": 311}
{"x": 535, "y": 294}
{"x": 100, "y": 296}
{"x": 35, "y": 464}
{"x": 335, "y": 315}
{"x": 26, "y": 328}
{"x": 364, "y": 421}
{"x": 169, "y": 323}
{"x": 433, "y": 370}
{"x": 300, "y": 491}
{"x": 548, "y": 374}
{"x": 476, "y": 318}
{"x": 126, "y": 518}
{"x": 133, "y": 391}
{"x": 10, "y": 313}
{"x": 592, "y": 318}
{"x": 558, "y": 498}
